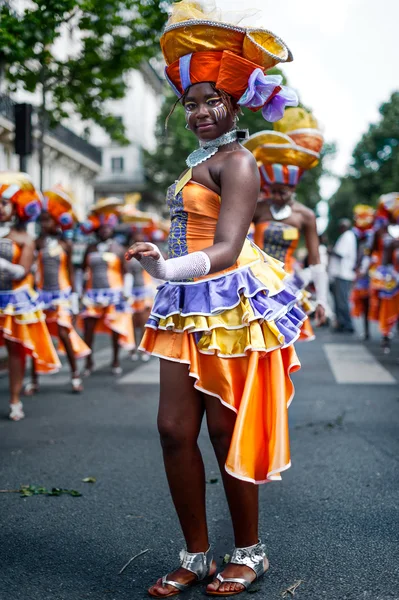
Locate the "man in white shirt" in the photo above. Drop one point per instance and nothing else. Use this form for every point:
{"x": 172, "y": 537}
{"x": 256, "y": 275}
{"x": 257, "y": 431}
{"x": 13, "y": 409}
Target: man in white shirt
{"x": 342, "y": 273}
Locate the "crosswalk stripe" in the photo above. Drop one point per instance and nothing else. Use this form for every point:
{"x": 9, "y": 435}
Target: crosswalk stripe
{"x": 353, "y": 363}
{"x": 147, "y": 374}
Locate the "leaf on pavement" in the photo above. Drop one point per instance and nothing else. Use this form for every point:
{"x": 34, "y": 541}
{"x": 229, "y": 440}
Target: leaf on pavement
{"x": 290, "y": 591}
{"x": 89, "y": 480}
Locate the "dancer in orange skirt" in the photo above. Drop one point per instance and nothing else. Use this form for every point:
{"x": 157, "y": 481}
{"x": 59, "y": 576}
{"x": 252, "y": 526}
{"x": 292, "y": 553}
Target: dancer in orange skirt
{"x": 384, "y": 274}
{"x": 283, "y": 156}
{"x": 105, "y": 309}
{"x": 23, "y": 328}
{"x": 364, "y": 232}
{"x": 224, "y": 322}
{"x": 55, "y": 282}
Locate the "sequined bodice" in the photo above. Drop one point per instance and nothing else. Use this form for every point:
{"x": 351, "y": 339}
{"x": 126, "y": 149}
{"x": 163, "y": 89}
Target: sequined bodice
{"x": 278, "y": 239}
{"x": 6, "y": 251}
{"x": 105, "y": 270}
{"x": 51, "y": 263}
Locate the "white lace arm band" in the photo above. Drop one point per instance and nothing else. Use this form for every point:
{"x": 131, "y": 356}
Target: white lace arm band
{"x": 127, "y": 285}
{"x": 320, "y": 280}
{"x": 14, "y": 271}
{"x": 189, "y": 266}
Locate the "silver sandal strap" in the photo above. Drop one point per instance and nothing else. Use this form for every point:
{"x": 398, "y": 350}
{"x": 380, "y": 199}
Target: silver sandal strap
{"x": 252, "y": 557}
{"x": 180, "y": 586}
{"x": 243, "y": 582}
{"x": 198, "y": 563}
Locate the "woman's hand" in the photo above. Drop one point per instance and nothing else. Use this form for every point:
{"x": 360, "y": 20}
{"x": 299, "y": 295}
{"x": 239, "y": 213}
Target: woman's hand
{"x": 142, "y": 249}
{"x": 320, "y": 315}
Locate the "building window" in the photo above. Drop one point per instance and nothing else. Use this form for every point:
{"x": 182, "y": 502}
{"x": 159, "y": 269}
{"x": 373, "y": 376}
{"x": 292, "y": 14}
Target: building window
{"x": 117, "y": 164}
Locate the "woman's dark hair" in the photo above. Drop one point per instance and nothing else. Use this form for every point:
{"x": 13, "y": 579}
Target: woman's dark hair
{"x": 228, "y": 101}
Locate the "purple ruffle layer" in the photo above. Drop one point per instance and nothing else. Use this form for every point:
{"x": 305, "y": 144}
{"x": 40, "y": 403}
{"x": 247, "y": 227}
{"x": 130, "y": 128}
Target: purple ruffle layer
{"x": 19, "y": 302}
{"x": 214, "y": 296}
{"x": 52, "y": 299}
{"x": 105, "y": 297}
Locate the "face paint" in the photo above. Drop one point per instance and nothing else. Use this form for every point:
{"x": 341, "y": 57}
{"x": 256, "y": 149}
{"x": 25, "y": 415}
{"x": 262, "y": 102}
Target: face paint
{"x": 220, "y": 112}
{"x": 6, "y": 210}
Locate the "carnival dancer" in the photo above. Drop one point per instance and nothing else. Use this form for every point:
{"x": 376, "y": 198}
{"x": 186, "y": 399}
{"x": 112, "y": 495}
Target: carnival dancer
{"x": 283, "y": 155}
{"x": 55, "y": 282}
{"x": 105, "y": 309}
{"x": 23, "y": 328}
{"x": 384, "y": 277}
{"x": 364, "y": 232}
{"x": 223, "y": 323}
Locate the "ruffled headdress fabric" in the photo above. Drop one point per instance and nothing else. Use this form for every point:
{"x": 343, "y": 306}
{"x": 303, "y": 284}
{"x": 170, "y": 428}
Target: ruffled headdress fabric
{"x": 292, "y": 147}
{"x": 199, "y": 47}
{"x": 363, "y": 216}
{"x": 104, "y": 212}
{"x": 18, "y": 187}
{"x": 59, "y": 204}
{"x": 387, "y": 209}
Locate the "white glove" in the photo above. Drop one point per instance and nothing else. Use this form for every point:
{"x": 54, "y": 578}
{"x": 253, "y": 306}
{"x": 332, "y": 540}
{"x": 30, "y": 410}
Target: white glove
{"x": 14, "y": 271}
{"x": 127, "y": 285}
{"x": 189, "y": 266}
{"x": 320, "y": 280}
{"x": 75, "y": 303}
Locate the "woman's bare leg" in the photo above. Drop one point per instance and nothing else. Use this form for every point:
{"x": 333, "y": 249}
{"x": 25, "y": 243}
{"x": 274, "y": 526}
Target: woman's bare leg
{"x": 115, "y": 349}
{"x": 63, "y": 334}
{"x": 242, "y": 497}
{"x": 181, "y": 410}
{"x": 16, "y": 370}
{"x": 89, "y": 329}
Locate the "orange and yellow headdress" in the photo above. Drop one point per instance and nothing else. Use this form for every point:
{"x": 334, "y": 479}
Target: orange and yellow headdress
{"x": 291, "y": 148}
{"x": 387, "y": 209}
{"x": 19, "y": 189}
{"x": 150, "y": 225}
{"x": 59, "y": 204}
{"x": 199, "y": 47}
{"x": 104, "y": 212}
{"x": 363, "y": 216}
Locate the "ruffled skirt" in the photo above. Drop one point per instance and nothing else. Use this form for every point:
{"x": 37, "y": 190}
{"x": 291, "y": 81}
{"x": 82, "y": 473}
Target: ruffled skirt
{"x": 112, "y": 313}
{"x": 236, "y": 332}
{"x": 384, "y": 297}
{"x": 22, "y": 321}
{"x": 57, "y": 309}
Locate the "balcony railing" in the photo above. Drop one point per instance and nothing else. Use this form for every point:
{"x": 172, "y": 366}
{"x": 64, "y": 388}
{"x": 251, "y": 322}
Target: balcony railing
{"x": 61, "y": 133}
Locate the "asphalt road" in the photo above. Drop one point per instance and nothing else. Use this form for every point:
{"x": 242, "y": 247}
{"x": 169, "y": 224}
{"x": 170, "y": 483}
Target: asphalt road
{"x": 331, "y": 523}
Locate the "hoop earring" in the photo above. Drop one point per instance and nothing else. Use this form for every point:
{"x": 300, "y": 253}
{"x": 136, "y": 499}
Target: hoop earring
{"x": 187, "y": 127}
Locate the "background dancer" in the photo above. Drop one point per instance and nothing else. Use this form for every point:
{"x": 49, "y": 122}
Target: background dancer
{"x": 22, "y": 324}
{"x": 223, "y": 323}
{"x": 104, "y": 306}
{"x": 283, "y": 156}
{"x": 55, "y": 282}
{"x": 364, "y": 232}
{"x": 384, "y": 272}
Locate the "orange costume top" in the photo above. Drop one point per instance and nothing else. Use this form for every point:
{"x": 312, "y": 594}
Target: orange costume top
{"x": 103, "y": 298}
{"x": 55, "y": 290}
{"x": 235, "y": 330}
{"x": 21, "y": 318}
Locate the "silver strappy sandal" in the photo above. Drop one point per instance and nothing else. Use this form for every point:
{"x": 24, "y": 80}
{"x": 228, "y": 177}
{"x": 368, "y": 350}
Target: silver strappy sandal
{"x": 198, "y": 563}
{"x": 252, "y": 557}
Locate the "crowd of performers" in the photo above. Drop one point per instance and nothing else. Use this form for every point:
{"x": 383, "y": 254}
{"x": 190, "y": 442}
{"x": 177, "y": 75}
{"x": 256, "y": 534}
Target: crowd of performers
{"x": 229, "y": 307}
{"x": 375, "y": 294}
{"x": 40, "y": 300}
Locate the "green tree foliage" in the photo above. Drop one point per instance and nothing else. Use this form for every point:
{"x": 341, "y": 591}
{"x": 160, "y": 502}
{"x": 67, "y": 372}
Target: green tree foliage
{"x": 175, "y": 143}
{"x": 374, "y": 169}
{"x": 114, "y": 37}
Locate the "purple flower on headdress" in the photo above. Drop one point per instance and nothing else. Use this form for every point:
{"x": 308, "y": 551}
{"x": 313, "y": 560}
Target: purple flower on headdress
{"x": 261, "y": 92}
{"x": 66, "y": 219}
{"x": 33, "y": 210}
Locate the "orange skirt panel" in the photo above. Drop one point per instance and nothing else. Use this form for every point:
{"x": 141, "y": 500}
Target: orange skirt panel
{"x": 110, "y": 320}
{"x": 385, "y": 311}
{"x": 32, "y": 334}
{"x": 62, "y": 318}
{"x": 257, "y": 387}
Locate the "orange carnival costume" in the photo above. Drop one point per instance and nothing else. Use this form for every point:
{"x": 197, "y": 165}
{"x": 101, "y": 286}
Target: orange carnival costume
{"x": 234, "y": 329}
{"x": 384, "y": 274}
{"x": 53, "y": 280}
{"x": 104, "y": 295}
{"x": 283, "y": 155}
{"x": 21, "y": 319}
{"x": 364, "y": 232}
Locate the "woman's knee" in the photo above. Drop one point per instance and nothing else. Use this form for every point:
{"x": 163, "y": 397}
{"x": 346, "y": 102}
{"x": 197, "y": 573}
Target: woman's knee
{"x": 174, "y": 436}
{"x": 220, "y": 437}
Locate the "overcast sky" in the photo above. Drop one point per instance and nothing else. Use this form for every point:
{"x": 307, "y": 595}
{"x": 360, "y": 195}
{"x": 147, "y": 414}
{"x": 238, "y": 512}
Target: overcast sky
{"x": 346, "y": 61}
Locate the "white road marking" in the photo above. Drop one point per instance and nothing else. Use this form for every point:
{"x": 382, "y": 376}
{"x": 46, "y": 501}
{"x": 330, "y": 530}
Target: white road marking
{"x": 147, "y": 374}
{"x": 353, "y": 363}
